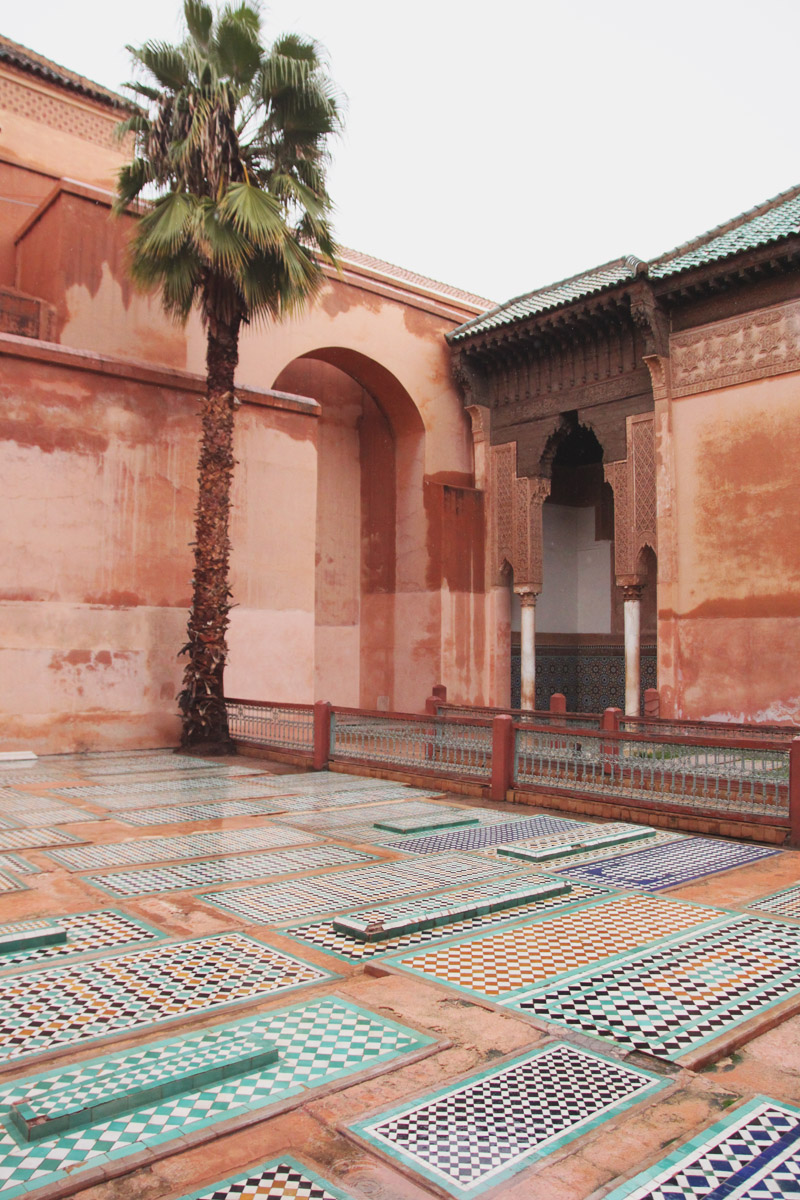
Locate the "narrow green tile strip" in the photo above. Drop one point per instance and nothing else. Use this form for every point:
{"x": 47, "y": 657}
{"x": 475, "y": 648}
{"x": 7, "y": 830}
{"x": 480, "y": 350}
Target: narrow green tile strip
{"x": 425, "y": 824}
{"x": 32, "y": 939}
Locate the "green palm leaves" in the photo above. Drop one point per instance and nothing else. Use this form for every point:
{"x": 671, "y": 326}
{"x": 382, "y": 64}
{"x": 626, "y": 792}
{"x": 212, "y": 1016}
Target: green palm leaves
{"x": 231, "y": 147}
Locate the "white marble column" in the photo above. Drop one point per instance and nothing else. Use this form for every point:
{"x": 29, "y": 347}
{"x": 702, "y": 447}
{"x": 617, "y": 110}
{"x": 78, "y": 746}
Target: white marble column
{"x": 632, "y": 610}
{"x": 528, "y": 648}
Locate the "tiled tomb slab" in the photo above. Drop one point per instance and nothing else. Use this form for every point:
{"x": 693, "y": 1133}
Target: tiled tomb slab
{"x": 281, "y": 1179}
{"x": 164, "y": 849}
{"x": 410, "y": 916}
{"x": 48, "y": 1009}
{"x": 313, "y": 800}
{"x": 15, "y": 864}
{"x": 322, "y": 935}
{"x": 667, "y": 866}
{"x": 317, "y": 1042}
{"x": 87, "y": 933}
{"x": 269, "y": 903}
{"x": 352, "y": 820}
{"x": 785, "y": 903}
{"x": 36, "y": 811}
{"x": 32, "y": 839}
{"x": 672, "y": 999}
{"x": 225, "y": 870}
{"x": 659, "y": 838}
{"x": 502, "y": 961}
{"x": 179, "y": 814}
{"x": 753, "y": 1153}
{"x": 10, "y": 883}
{"x": 506, "y": 830}
{"x": 471, "y": 1136}
{"x": 591, "y": 837}
{"x": 146, "y": 795}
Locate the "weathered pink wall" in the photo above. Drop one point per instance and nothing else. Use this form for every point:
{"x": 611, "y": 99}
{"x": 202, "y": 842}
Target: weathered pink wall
{"x": 729, "y": 562}
{"x": 98, "y": 463}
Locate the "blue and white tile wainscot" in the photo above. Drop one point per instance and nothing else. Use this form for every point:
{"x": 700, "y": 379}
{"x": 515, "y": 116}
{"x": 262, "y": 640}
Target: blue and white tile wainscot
{"x": 471, "y": 1135}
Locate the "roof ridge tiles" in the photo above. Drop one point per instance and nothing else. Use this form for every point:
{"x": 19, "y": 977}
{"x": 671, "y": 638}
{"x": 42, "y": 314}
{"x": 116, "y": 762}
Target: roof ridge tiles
{"x": 25, "y": 59}
{"x": 728, "y": 226}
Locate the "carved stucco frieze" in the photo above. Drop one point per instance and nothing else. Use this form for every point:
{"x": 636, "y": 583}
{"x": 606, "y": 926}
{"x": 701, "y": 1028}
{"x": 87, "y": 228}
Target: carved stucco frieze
{"x": 516, "y": 505}
{"x": 635, "y": 500}
{"x": 737, "y": 350}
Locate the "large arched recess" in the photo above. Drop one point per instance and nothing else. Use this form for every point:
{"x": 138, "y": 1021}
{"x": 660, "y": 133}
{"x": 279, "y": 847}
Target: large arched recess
{"x": 371, "y": 538}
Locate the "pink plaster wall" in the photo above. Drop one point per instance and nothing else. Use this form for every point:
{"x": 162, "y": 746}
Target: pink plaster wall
{"x": 729, "y": 561}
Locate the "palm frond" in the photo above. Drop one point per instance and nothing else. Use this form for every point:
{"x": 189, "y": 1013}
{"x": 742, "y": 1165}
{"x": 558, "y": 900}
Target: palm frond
{"x": 131, "y": 179}
{"x": 165, "y": 63}
{"x": 236, "y": 47}
{"x": 221, "y": 243}
{"x": 199, "y": 21}
{"x": 254, "y": 213}
{"x": 167, "y": 226}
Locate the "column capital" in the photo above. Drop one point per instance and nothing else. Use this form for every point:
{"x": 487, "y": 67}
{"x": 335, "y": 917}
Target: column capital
{"x": 632, "y": 591}
{"x": 526, "y": 598}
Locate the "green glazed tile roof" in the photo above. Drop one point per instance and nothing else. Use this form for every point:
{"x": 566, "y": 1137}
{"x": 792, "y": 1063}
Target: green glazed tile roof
{"x": 552, "y": 296}
{"x": 777, "y": 218}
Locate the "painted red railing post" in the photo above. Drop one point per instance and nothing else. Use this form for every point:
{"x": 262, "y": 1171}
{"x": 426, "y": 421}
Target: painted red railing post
{"x": 558, "y": 703}
{"x": 322, "y": 735}
{"x": 794, "y": 792}
{"x": 502, "y": 757}
{"x": 440, "y": 692}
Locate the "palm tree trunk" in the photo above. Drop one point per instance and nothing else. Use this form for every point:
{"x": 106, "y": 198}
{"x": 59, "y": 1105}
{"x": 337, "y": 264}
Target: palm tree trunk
{"x": 202, "y": 700}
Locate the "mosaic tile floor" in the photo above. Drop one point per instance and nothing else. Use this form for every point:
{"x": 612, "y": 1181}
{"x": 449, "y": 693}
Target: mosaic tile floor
{"x": 323, "y": 936}
{"x": 469, "y": 1137}
{"x": 178, "y": 814}
{"x": 677, "y": 996}
{"x": 506, "y": 960}
{"x": 270, "y": 903}
{"x": 33, "y": 815}
{"x": 785, "y": 903}
{"x": 477, "y": 839}
{"x": 10, "y": 883}
{"x": 341, "y": 819}
{"x": 317, "y": 1042}
{"x": 616, "y": 836}
{"x": 31, "y": 839}
{"x": 668, "y": 866}
{"x": 86, "y": 933}
{"x": 753, "y": 1153}
{"x": 163, "y": 849}
{"x": 145, "y": 795}
{"x": 225, "y": 870}
{"x": 49, "y": 1009}
{"x": 314, "y": 800}
{"x": 282, "y": 1179}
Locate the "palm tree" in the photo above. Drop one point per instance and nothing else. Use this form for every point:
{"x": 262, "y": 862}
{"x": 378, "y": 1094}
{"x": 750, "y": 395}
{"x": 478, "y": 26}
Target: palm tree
{"x": 230, "y": 149}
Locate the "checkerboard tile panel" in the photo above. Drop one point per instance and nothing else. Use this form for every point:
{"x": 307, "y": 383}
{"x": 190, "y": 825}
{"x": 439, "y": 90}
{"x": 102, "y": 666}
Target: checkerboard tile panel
{"x": 164, "y": 849}
{"x": 283, "y": 1179}
{"x": 339, "y": 820}
{"x": 506, "y": 960}
{"x": 29, "y": 810}
{"x": 270, "y": 903}
{"x": 86, "y": 933}
{"x": 179, "y": 814}
{"x": 316, "y": 1042}
{"x": 322, "y": 936}
{"x": 752, "y": 1154}
{"x": 32, "y": 839}
{"x": 668, "y": 866}
{"x": 315, "y": 800}
{"x": 45, "y": 1010}
{"x": 785, "y": 903}
{"x": 481, "y": 837}
{"x": 469, "y": 1137}
{"x": 13, "y": 863}
{"x": 675, "y": 997}
{"x": 225, "y": 870}
{"x": 660, "y": 837}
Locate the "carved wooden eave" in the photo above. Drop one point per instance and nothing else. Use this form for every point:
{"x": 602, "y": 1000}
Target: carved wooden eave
{"x": 750, "y": 266}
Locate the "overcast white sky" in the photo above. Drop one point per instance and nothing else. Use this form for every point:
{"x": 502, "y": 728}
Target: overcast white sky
{"x": 500, "y": 146}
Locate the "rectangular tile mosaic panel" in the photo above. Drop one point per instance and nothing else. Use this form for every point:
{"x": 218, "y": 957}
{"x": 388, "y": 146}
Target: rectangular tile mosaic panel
{"x": 270, "y": 903}
{"x": 10, "y": 883}
{"x": 13, "y": 863}
{"x": 54, "y": 814}
{"x": 314, "y": 800}
{"x": 753, "y": 1153}
{"x": 509, "y": 959}
{"x": 469, "y": 1137}
{"x": 675, "y": 997}
{"x": 48, "y": 1009}
{"x": 145, "y": 795}
{"x": 669, "y": 865}
{"x": 31, "y": 839}
{"x": 193, "y": 845}
{"x": 86, "y": 933}
{"x": 282, "y": 1179}
{"x": 323, "y": 936}
{"x": 785, "y": 903}
{"x": 364, "y": 818}
{"x": 317, "y": 1042}
{"x": 613, "y": 835}
{"x": 225, "y": 870}
{"x": 602, "y": 853}
{"x": 179, "y": 814}
{"x": 483, "y": 836}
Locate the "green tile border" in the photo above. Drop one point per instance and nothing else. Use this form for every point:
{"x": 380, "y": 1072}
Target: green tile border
{"x": 87, "y": 956}
{"x": 259, "y": 1168}
{"x": 652, "y": 1083}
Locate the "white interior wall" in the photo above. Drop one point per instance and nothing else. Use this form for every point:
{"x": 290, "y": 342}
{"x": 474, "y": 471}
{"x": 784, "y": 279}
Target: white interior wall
{"x": 576, "y": 592}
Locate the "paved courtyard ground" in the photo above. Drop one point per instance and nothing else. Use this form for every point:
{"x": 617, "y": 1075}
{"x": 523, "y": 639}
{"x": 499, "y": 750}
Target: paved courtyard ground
{"x": 230, "y": 979}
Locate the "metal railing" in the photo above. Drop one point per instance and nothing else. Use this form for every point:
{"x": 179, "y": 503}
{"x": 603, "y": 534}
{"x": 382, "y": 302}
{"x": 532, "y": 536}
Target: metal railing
{"x": 526, "y": 716}
{"x": 665, "y": 727}
{"x": 418, "y": 743}
{"x": 284, "y": 726}
{"x": 701, "y": 774}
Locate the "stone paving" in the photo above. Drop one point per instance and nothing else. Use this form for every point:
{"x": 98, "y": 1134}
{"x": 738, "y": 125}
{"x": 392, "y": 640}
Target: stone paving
{"x": 224, "y": 1026}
